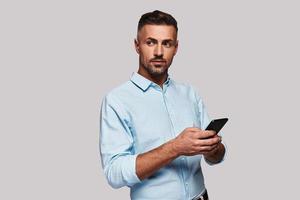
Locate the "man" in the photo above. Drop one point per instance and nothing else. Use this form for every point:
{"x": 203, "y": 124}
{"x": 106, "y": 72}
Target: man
{"x": 152, "y": 128}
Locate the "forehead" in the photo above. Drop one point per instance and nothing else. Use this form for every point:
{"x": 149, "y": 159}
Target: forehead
{"x": 159, "y": 32}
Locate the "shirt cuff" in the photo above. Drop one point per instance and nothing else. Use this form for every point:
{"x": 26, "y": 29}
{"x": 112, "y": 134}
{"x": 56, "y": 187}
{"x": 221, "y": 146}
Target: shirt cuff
{"x": 132, "y": 176}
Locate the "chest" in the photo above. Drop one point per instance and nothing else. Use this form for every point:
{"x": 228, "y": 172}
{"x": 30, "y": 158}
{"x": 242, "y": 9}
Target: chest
{"x": 158, "y": 118}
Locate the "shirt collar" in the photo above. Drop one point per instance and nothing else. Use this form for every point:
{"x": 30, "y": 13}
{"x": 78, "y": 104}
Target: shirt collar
{"x": 143, "y": 82}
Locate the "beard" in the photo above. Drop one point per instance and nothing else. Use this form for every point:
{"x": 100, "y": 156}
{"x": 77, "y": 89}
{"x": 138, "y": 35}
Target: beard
{"x": 156, "y": 70}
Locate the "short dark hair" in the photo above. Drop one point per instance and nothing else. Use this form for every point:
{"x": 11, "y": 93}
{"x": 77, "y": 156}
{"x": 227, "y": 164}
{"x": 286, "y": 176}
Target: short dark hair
{"x": 157, "y": 18}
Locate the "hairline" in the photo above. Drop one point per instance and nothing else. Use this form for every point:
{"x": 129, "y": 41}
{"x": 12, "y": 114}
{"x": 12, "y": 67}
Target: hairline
{"x": 163, "y": 24}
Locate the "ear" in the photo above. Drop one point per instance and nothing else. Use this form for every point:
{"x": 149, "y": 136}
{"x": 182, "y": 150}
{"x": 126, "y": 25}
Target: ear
{"x": 136, "y": 45}
{"x": 176, "y": 47}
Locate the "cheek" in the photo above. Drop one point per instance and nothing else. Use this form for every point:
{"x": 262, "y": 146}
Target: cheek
{"x": 170, "y": 55}
{"x": 146, "y": 56}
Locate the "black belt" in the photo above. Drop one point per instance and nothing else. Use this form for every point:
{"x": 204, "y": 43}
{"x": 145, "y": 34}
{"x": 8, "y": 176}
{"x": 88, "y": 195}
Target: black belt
{"x": 204, "y": 196}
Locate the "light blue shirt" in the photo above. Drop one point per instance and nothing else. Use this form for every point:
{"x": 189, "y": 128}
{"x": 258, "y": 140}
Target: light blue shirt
{"x": 139, "y": 116}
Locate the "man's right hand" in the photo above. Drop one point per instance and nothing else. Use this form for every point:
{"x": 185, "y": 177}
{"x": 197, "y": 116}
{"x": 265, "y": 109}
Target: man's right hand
{"x": 193, "y": 141}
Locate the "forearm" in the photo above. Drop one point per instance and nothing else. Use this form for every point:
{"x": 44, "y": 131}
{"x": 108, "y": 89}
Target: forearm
{"x": 149, "y": 162}
{"x": 217, "y": 155}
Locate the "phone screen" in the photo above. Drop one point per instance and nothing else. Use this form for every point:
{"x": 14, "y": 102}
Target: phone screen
{"x": 216, "y": 124}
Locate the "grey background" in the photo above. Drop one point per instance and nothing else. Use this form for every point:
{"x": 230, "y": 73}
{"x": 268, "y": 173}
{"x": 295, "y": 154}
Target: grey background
{"x": 59, "y": 58}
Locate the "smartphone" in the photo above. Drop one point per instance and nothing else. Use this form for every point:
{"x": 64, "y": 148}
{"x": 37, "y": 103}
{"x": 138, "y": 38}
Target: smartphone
{"x": 216, "y": 124}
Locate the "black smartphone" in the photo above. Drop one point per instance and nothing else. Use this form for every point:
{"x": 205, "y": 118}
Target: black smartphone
{"x": 216, "y": 124}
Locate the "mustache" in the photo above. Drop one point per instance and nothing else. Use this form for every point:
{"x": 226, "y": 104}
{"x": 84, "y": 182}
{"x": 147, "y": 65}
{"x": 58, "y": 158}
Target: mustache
{"x": 158, "y": 59}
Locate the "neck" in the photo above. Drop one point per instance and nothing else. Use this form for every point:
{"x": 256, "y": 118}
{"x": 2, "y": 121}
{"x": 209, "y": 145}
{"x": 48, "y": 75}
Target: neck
{"x": 158, "y": 79}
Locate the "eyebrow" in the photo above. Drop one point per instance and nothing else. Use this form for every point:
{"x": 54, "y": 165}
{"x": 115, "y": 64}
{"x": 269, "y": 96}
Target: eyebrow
{"x": 153, "y": 39}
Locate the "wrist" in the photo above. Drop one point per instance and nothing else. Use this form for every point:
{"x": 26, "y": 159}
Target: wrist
{"x": 173, "y": 148}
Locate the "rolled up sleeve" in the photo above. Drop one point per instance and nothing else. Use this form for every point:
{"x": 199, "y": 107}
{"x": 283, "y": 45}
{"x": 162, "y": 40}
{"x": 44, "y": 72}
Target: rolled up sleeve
{"x": 117, "y": 144}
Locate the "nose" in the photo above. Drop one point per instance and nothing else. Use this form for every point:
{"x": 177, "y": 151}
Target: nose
{"x": 159, "y": 51}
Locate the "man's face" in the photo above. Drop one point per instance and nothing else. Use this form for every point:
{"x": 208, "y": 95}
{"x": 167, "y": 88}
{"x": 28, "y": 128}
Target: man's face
{"x": 156, "y": 45}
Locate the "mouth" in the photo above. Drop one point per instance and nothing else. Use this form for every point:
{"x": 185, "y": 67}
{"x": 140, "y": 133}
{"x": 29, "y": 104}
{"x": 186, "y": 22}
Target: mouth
{"x": 158, "y": 61}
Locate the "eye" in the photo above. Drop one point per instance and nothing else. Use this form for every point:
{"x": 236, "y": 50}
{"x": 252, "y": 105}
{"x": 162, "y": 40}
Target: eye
{"x": 168, "y": 44}
{"x": 150, "y": 42}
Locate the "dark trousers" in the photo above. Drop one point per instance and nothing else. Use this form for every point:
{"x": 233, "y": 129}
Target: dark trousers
{"x": 204, "y": 196}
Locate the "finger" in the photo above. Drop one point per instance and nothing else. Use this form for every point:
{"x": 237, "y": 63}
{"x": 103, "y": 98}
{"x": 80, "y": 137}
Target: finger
{"x": 193, "y": 132}
{"x": 217, "y": 136}
{"x": 209, "y": 141}
{"x": 207, "y": 149}
{"x": 211, "y": 150}
{"x": 220, "y": 138}
{"x": 205, "y": 134}
{"x": 194, "y": 129}
{"x": 214, "y": 147}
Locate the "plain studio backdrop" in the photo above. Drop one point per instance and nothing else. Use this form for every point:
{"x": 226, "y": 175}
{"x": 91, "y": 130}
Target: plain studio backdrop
{"x": 59, "y": 58}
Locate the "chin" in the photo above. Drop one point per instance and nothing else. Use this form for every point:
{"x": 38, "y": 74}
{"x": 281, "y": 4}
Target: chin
{"x": 158, "y": 72}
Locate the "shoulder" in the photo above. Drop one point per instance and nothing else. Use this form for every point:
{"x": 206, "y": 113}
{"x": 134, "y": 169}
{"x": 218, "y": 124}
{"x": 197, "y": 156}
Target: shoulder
{"x": 118, "y": 92}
